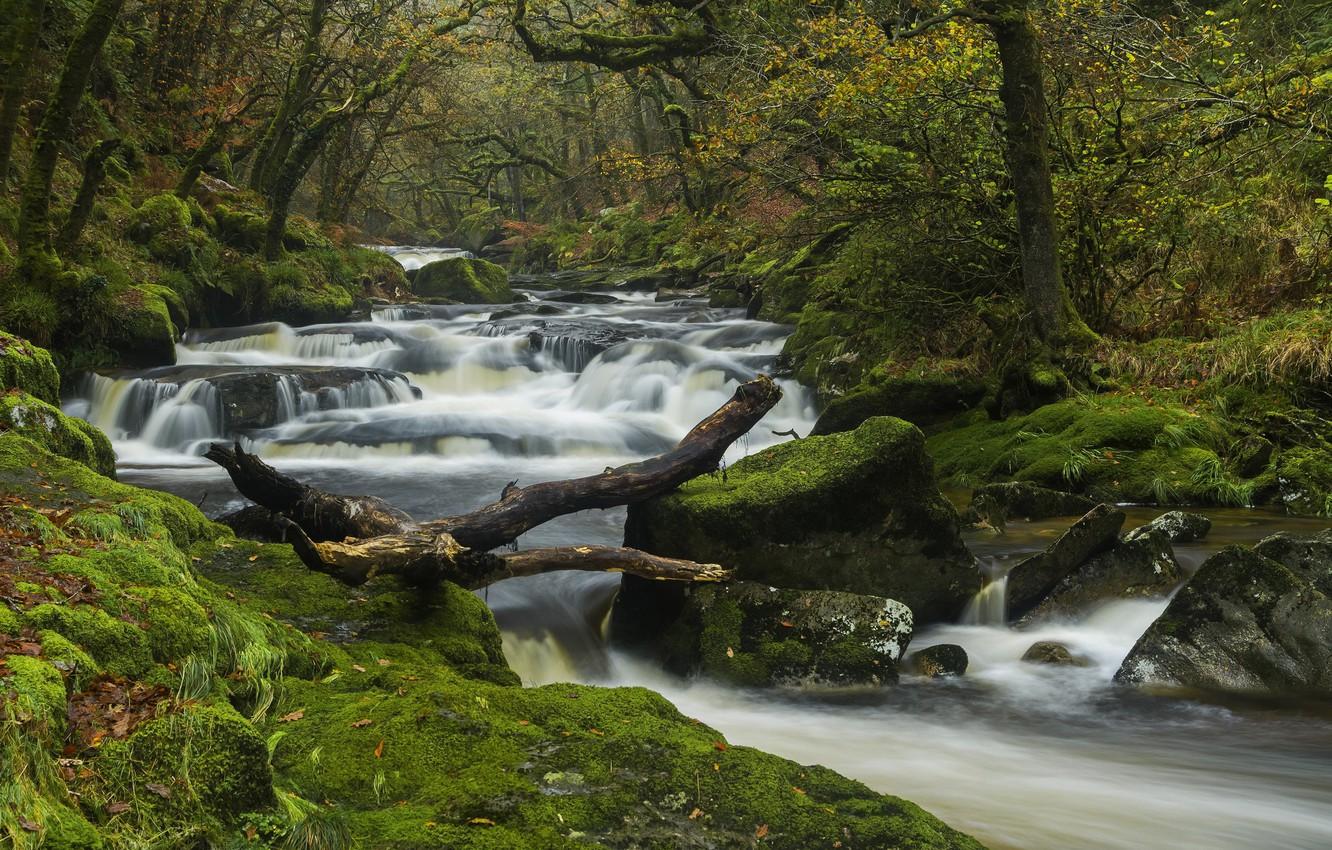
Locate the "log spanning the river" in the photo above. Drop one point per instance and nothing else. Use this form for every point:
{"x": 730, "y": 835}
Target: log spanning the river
{"x": 358, "y": 537}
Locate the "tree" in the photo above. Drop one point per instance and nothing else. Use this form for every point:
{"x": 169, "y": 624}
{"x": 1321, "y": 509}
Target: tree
{"x": 26, "y": 24}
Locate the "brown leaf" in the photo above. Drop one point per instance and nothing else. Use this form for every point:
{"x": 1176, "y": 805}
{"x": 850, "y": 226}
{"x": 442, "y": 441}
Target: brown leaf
{"x": 294, "y": 716}
{"x": 358, "y": 668}
{"x": 253, "y": 558}
{"x": 720, "y": 746}
{"x": 362, "y": 723}
{"x": 797, "y": 790}
{"x": 383, "y": 662}
{"x": 29, "y": 825}
{"x": 696, "y": 813}
{"x": 787, "y": 623}
{"x": 158, "y": 789}
{"x": 379, "y": 750}
{"x": 250, "y": 832}
{"x": 480, "y": 822}
{"x": 117, "y": 808}
{"x": 762, "y": 831}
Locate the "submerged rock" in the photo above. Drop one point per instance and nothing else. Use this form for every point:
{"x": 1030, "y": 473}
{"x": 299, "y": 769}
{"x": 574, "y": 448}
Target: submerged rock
{"x": 1177, "y": 526}
{"x": 463, "y": 279}
{"x": 756, "y": 635}
{"x": 940, "y": 661}
{"x": 857, "y": 511}
{"x": 1254, "y": 621}
{"x": 1033, "y": 579}
{"x": 1142, "y": 565}
{"x": 997, "y": 503}
{"x": 1053, "y": 652}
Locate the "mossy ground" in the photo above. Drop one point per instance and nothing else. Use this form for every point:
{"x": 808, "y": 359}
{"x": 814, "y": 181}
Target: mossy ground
{"x": 199, "y": 712}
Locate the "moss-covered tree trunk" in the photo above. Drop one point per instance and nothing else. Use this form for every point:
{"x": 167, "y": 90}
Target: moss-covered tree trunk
{"x": 1023, "y": 95}
{"x": 24, "y": 23}
{"x": 94, "y": 172}
{"x": 275, "y": 143}
{"x": 34, "y": 225}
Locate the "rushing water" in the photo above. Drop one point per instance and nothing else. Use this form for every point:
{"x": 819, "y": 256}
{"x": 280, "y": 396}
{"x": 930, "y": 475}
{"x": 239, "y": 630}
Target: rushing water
{"x": 437, "y": 408}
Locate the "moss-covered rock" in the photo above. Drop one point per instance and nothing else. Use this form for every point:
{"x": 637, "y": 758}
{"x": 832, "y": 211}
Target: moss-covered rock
{"x": 1253, "y": 621}
{"x": 1175, "y": 526}
{"x": 143, "y": 334}
{"x": 465, "y": 280}
{"x": 1304, "y": 474}
{"x": 997, "y": 503}
{"x": 1113, "y": 448}
{"x": 857, "y": 511}
{"x": 756, "y": 635}
{"x": 158, "y": 214}
{"x": 921, "y": 399}
{"x": 26, "y": 367}
{"x": 47, "y": 426}
{"x": 940, "y": 661}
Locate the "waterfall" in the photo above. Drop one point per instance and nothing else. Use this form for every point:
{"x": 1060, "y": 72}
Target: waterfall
{"x": 989, "y": 607}
{"x": 190, "y": 417}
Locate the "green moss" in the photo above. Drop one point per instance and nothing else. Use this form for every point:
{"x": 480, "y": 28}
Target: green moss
{"x": 239, "y": 228}
{"x": 158, "y": 214}
{"x": 143, "y": 333}
{"x": 39, "y": 691}
{"x": 118, "y": 647}
{"x": 1304, "y": 474}
{"x": 28, "y": 368}
{"x": 177, "y": 626}
{"x": 297, "y": 299}
{"x": 43, "y": 423}
{"x": 465, "y": 280}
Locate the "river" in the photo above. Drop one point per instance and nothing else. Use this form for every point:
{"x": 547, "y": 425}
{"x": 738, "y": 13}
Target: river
{"x": 1019, "y": 755}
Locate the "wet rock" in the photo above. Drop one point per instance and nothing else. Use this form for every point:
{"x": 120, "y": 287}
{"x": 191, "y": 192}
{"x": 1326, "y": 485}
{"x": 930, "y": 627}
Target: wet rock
{"x": 1141, "y": 566}
{"x": 1033, "y": 579}
{"x": 1053, "y": 652}
{"x": 940, "y": 661}
{"x": 858, "y": 512}
{"x": 572, "y": 344}
{"x": 651, "y": 281}
{"x": 756, "y": 635}
{"x": 921, "y": 400}
{"x": 997, "y": 503}
{"x": 1177, "y": 526}
{"x": 463, "y": 279}
{"x": 1253, "y": 621}
{"x": 582, "y": 298}
{"x": 519, "y": 310}
{"x": 254, "y": 397}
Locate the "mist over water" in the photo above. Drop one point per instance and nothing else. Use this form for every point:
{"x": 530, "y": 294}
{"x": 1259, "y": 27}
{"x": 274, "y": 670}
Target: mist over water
{"x": 444, "y": 405}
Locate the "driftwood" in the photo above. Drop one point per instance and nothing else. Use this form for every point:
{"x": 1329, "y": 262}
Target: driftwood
{"x": 356, "y": 537}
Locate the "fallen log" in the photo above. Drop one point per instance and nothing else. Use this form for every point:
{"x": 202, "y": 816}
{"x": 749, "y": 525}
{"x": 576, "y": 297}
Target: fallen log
{"x": 357, "y": 537}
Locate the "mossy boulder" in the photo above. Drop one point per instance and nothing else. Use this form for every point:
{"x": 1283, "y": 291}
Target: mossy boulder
{"x": 857, "y": 511}
{"x": 1304, "y": 474}
{"x": 239, "y": 227}
{"x": 1053, "y": 653}
{"x": 1034, "y": 578}
{"x": 465, "y": 280}
{"x": 1175, "y": 526}
{"x": 921, "y": 399}
{"x": 158, "y": 214}
{"x": 47, "y": 426}
{"x": 1250, "y": 620}
{"x": 143, "y": 334}
{"x": 756, "y": 635}
{"x": 26, "y": 367}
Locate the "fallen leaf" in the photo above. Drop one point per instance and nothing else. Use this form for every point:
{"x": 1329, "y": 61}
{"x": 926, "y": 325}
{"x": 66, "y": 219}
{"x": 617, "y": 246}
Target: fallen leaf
{"x": 383, "y": 662}
{"x": 379, "y": 750}
{"x": 524, "y": 723}
{"x": 797, "y": 790}
{"x": 598, "y": 732}
{"x": 29, "y": 825}
{"x": 362, "y": 723}
{"x": 730, "y": 653}
{"x": 250, "y": 833}
{"x": 696, "y": 814}
{"x": 358, "y": 668}
{"x": 294, "y": 716}
{"x": 117, "y": 808}
{"x": 787, "y": 623}
{"x": 480, "y": 822}
{"x": 254, "y": 558}
{"x": 720, "y": 746}
{"x": 762, "y": 831}
{"x": 158, "y": 789}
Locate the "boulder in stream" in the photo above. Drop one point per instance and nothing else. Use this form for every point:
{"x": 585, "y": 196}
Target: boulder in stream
{"x": 857, "y": 511}
{"x": 1142, "y": 565}
{"x": 755, "y": 635}
{"x": 940, "y": 661}
{"x": 464, "y": 279}
{"x": 1177, "y": 526}
{"x": 1250, "y": 620}
{"x": 1033, "y": 579}
{"x": 1055, "y": 653}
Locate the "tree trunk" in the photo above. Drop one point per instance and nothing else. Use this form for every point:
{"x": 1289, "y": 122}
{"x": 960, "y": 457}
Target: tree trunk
{"x": 94, "y": 172}
{"x": 355, "y": 538}
{"x": 34, "y": 226}
{"x": 279, "y": 130}
{"x": 1023, "y": 95}
{"x": 26, "y": 27}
